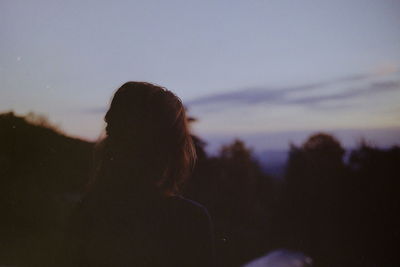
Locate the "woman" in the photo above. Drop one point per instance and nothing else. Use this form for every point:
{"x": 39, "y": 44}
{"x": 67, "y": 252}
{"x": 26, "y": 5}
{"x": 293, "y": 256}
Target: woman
{"x": 133, "y": 214}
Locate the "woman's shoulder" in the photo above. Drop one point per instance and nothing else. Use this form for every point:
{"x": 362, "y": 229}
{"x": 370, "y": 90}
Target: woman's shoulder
{"x": 188, "y": 206}
{"x": 192, "y": 233}
{"x": 185, "y": 202}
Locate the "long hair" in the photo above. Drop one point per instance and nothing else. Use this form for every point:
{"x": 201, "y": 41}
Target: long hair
{"x": 147, "y": 143}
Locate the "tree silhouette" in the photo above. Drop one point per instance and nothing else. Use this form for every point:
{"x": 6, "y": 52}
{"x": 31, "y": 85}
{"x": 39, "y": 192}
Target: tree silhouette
{"x": 339, "y": 213}
{"x": 316, "y": 179}
{"x": 237, "y": 193}
{"x": 375, "y": 202}
{"x": 40, "y": 170}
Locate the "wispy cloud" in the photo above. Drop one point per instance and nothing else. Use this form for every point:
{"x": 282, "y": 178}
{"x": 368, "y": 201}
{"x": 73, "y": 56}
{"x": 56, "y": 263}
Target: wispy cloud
{"x": 284, "y": 96}
{"x": 372, "y": 88}
{"x": 294, "y": 95}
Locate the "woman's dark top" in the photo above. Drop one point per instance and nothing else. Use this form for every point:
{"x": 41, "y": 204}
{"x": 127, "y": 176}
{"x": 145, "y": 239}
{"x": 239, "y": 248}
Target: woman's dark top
{"x": 141, "y": 231}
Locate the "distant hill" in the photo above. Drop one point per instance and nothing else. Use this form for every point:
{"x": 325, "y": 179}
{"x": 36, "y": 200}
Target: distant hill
{"x": 40, "y": 168}
{"x": 32, "y": 150}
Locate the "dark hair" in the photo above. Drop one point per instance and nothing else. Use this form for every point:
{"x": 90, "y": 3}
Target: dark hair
{"x": 148, "y": 140}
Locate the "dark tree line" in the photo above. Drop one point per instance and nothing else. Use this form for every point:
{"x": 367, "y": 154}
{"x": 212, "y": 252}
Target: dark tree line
{"x": 238, "y": 195}
{"x": 341, "y": 213}
{"x": 41, "y": 171}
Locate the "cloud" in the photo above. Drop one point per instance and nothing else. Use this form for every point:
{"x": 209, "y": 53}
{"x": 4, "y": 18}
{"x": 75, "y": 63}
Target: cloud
{"x": 375, "y": 87}
{"x": 284, "y": 96}
{"x": 386, "y": 68}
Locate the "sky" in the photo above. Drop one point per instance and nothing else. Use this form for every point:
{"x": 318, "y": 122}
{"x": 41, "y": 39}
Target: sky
{"x": 266, "y": 71}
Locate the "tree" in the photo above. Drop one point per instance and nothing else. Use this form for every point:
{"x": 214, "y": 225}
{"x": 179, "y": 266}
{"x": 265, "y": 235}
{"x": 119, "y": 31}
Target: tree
{"x": 237, "y": 193}
{"x": 314, "y": 194}
{"x": 39, "y": 167}
{"x": 375, "y": 202}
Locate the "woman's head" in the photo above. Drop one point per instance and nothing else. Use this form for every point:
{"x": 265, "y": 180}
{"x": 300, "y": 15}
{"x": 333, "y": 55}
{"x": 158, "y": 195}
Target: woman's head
{"x": 147, "y": 129}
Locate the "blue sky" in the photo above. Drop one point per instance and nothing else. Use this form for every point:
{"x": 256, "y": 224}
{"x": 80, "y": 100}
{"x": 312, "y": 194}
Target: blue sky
{"x": 243, "y": 68}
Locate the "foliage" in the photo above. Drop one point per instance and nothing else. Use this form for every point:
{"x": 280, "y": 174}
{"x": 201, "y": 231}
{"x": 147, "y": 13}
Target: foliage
{"x": 40, "y": 170}
{"x": 236, "y": 192}
{"x": 339, "y": 213}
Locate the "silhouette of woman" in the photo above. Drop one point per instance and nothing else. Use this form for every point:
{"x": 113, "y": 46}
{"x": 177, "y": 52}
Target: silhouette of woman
{"x": 133, "y": 214}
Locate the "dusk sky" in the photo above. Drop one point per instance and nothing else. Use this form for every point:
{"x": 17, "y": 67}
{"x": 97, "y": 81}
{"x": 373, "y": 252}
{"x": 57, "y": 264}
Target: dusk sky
{"x": 268, "y": 72}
